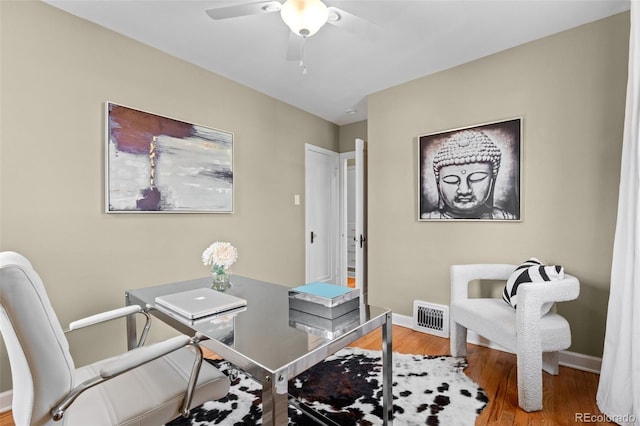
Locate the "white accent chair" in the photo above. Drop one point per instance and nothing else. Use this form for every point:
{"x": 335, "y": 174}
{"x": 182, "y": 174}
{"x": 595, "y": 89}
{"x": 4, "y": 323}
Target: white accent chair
{"x": 535, "y": 339}
{"x": 149, "y": 385}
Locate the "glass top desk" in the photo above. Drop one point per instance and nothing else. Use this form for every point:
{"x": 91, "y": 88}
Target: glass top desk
{"x": 262, "y": 341}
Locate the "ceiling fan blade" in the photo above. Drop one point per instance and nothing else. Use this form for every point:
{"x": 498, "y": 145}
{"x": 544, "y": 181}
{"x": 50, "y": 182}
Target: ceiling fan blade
{"x": 244, "y": 9}
{"x": 352, "y": 23}
{"x": 294, "y": 47}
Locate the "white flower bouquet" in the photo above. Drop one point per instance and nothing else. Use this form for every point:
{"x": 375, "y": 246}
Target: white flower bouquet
{"x": 220, "y": 255}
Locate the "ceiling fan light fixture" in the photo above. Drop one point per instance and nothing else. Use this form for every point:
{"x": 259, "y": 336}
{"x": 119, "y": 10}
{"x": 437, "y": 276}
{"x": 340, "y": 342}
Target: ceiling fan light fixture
{"x": 304, "y": 17}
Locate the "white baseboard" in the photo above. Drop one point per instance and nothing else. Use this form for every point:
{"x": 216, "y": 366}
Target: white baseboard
{"x": 402, "y": 320}
{"x": 570, "y": 359}
{"x": 5, "y": 401}
{"x": 583, "y": 362}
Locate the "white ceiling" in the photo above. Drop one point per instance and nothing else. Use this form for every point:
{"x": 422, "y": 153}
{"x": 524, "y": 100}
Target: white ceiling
{"x": 412, "y": 38}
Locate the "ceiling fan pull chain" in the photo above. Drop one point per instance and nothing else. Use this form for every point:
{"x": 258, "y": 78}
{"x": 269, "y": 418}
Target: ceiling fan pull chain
{"x": 301, "y": 64}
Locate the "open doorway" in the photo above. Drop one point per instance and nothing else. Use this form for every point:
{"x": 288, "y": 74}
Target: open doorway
{"x": 353, "y": 218}
{"x": 348, "y": 218}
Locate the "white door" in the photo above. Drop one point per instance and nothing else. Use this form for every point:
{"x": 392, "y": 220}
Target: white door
{"x": 347, "y": 266}
{"x": 361, "y": 217}
{"x": 321, "y": 214}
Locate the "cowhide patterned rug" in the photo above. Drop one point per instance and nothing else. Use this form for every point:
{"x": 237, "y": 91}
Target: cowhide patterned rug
{"x": 347, "y": 388}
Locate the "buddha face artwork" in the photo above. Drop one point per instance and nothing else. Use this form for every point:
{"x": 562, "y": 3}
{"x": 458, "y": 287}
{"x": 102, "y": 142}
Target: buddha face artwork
{"x": 471, "y": 173}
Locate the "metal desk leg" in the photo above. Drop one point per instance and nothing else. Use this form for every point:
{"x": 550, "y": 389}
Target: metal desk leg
{"x": 274, "y": 405}
{"x": 387, "y": 372}
{"x": 132, "y": 333}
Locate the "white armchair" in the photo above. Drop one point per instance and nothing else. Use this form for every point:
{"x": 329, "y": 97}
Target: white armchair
{"x": 149, "y": 385}
{"x": 535, "y": 339}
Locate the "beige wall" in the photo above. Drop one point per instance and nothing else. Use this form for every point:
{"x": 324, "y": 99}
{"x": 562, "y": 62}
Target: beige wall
{"x": 570, "y": 91}
{"x": 348, "y": 134}
{"x": 57, "y": 72}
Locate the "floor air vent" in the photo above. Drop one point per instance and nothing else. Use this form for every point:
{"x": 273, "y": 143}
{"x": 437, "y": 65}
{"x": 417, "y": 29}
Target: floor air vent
{"x": 431, "y": 318}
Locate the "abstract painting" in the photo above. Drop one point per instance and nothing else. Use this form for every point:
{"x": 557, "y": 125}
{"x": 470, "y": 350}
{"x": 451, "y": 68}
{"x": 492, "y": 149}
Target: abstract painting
{"x": 159, "y": 164}
{"x": 471, "y": 173}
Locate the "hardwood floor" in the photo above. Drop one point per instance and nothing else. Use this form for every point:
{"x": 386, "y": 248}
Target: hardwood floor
{"x": 572, "y": 393}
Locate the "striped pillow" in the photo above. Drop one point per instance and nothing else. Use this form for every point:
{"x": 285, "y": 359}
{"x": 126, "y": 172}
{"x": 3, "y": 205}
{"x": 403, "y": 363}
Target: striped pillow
{"x": 529, "y": 272}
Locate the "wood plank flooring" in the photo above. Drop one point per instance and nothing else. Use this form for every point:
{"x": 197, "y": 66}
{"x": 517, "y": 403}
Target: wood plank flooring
{"x": 570, "y": 393}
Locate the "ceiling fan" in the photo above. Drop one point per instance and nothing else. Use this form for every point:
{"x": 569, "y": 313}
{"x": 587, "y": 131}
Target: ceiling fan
{"x": 303, "y": 17}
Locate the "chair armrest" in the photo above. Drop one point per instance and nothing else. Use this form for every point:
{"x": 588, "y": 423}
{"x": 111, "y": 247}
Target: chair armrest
{"x": 142, "y": 355}
{"x": 461, "y": 275}
{"x": 531, "y": 296}
{"x": 126, "y": 362}
{"x": 104, "y": 316}
{"x": 114, "y": 314}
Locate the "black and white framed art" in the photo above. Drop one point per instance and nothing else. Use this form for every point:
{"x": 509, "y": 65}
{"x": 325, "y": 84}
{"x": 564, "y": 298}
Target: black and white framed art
{"x": 471, "y": 173}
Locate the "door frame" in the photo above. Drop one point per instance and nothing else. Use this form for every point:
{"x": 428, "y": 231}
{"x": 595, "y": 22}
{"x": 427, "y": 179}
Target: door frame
{"x": 361, "y": 202}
